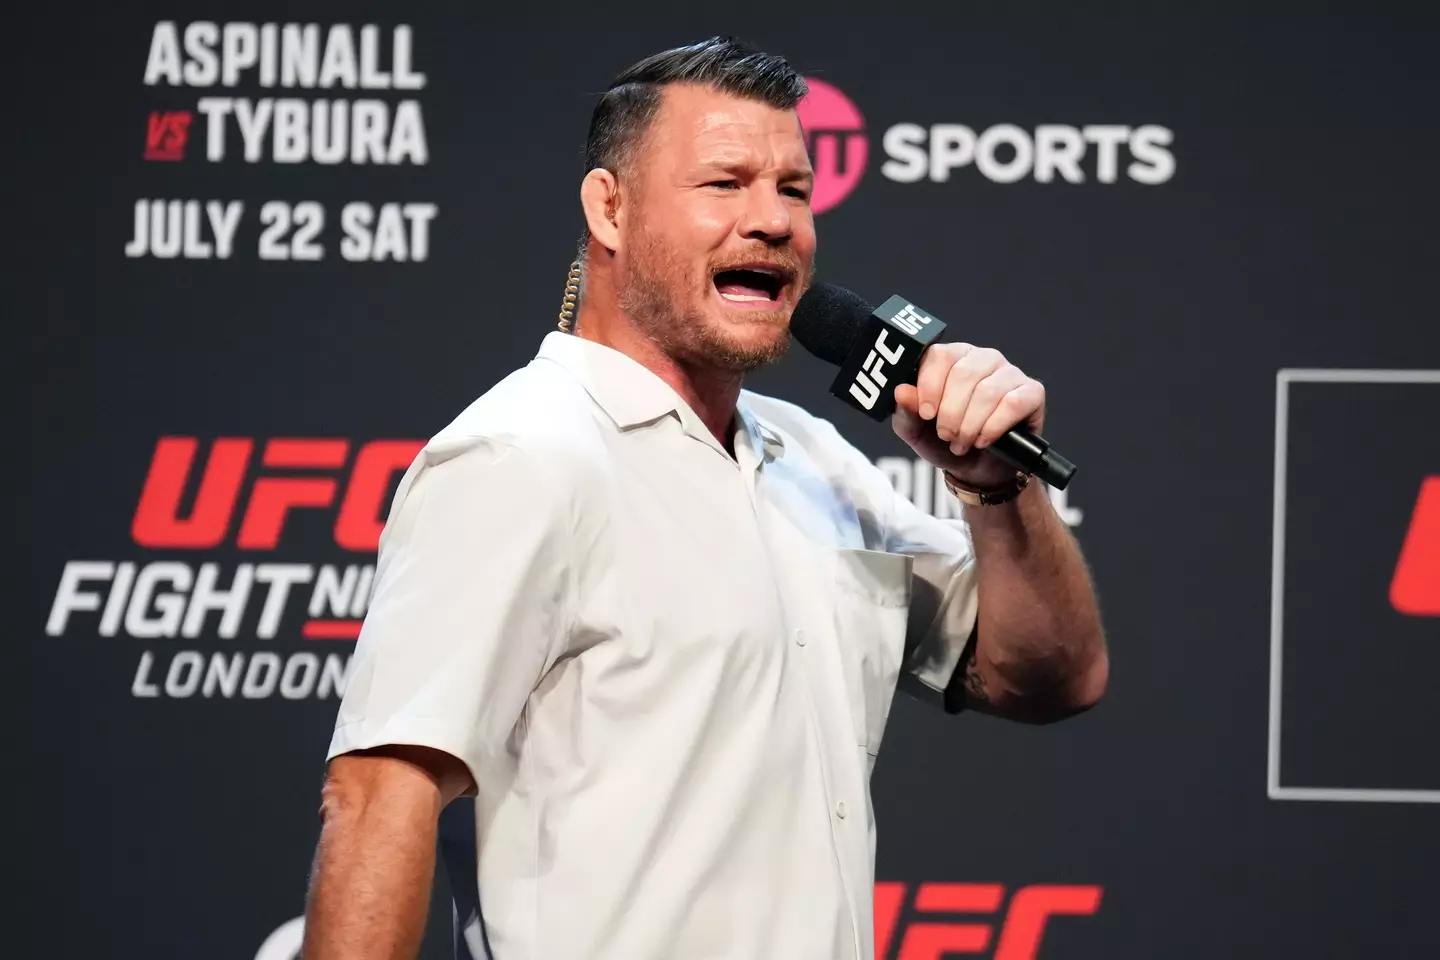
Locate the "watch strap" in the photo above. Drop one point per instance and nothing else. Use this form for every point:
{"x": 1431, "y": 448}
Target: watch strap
{"x": 987, "y": 497}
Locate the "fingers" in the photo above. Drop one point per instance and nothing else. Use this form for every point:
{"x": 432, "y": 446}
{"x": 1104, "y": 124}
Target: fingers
{"x": 985, "y": 404}
{"x": 1016, "y": 406}
{"x": 973, "y": 395}
{"x": 965, "y": 385}
{"x": 918, "y": 434}
{"x": 935, "y": 367}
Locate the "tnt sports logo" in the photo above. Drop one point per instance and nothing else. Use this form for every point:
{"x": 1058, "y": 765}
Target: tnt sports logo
{"x": 835, "y": 135}
{"x": 1001, "y": 153}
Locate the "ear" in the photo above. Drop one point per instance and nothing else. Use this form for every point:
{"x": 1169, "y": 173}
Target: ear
{"x": 600, "y": 199}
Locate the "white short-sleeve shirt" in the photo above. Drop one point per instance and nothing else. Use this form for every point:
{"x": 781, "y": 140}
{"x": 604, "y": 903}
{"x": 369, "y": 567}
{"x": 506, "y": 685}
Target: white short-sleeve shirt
{"x": 668, "y": 670}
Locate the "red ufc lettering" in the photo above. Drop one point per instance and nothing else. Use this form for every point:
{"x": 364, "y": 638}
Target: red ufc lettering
{"x": 158, "y": 521}
{"x": 1415, "y": 588}
{"x": 1031, "y": 907}
{"x": 360, "y": 522}
{"x": 166, "y": 135}
{"x": 889, "y": 901}
{"x": 932, "y": 941}
{"x": 273, "y": 497}
{"x": 1020, "y": 937}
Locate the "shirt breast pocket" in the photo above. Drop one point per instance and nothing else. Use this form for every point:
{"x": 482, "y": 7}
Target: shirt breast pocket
{"x": 872, "y": 606}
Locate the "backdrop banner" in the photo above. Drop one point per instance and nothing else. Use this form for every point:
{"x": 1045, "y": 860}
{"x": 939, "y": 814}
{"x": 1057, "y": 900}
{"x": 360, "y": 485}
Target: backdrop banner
{"x": 269, "y": 258}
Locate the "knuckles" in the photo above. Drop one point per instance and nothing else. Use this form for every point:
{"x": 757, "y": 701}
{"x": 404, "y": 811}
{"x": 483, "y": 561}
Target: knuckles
{"x": 988, "y": 358}
{"x": 944, "y": 357}
{"x": 977, "y": 361}
{"x": 985, "y": 366}
{"x": 988, "y": 392}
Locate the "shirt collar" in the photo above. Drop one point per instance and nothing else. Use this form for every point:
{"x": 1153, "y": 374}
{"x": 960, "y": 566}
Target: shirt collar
{"x": 631, "y": 394}
{"x": 763, "y": 439}
{"x": 628, "y": 392}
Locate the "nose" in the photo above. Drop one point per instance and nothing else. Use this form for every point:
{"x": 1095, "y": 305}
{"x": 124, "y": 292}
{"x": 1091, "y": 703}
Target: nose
{"x": 766, "y": 217}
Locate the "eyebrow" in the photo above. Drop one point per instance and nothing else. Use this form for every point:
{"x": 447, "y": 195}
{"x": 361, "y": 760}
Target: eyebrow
{"x": 737, "y": 167}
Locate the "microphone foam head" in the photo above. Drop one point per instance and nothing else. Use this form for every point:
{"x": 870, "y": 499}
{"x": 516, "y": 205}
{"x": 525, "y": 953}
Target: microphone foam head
{"x": 827, "y": 320}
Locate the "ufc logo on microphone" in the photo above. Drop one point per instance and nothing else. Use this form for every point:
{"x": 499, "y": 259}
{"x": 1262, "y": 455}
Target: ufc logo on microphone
{"x": 866, "y": 388}
{"x": 910, "y": 320}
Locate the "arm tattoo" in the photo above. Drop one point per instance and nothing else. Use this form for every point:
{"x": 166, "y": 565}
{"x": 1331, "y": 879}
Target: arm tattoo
{"x": 974, "y": 679}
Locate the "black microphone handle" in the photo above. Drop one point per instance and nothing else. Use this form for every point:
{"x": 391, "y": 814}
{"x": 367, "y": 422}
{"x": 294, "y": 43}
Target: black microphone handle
{"x": 1031, "y": 453}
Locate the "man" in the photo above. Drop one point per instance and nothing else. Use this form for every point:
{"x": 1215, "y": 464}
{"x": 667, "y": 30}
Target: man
{"x": 653, "y": 622}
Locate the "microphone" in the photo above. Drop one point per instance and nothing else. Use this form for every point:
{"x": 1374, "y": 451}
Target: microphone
{"x": 879, "y": 348}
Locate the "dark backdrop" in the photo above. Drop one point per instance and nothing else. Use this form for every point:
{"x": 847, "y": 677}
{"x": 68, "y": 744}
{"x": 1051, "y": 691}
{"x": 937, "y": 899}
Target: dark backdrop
{"x": 1223, "y": 808}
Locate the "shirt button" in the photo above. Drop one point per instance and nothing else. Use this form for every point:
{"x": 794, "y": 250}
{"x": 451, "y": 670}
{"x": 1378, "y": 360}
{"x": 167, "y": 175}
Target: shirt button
{"x": 800, "y": 637}
{"x": 840, "y": 809}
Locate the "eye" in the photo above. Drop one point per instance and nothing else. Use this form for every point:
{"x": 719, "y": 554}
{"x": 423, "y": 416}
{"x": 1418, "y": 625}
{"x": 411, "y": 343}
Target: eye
{"x": 723, "y": 184}
{"x": 798, "y": 192}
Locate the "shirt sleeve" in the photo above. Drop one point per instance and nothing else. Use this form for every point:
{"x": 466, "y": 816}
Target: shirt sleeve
{"x": 943, "y": 601}
{"x": 469, "y": 608}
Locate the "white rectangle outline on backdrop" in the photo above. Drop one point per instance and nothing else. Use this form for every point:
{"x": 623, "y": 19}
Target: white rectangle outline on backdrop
{"x": 1283, "y": 379}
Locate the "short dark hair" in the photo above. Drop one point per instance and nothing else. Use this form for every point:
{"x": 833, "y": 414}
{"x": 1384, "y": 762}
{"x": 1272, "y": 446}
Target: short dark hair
{"x": 625, "y": 111}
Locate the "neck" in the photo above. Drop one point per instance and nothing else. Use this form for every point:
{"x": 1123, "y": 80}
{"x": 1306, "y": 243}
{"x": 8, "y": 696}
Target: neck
{"x": 711, "y": 393}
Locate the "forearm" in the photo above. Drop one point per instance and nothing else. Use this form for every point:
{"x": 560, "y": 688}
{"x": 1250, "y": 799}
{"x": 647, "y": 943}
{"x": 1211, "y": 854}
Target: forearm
{"x": 1039, "y": 647}
{"x": 370, "y": 888}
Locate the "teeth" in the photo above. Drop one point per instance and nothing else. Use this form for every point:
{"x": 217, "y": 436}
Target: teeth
{"x": 743, "y": 297}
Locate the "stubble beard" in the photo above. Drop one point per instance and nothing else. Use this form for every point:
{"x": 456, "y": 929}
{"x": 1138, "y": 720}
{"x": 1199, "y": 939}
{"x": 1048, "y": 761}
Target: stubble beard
{"x": 656, "y": 295}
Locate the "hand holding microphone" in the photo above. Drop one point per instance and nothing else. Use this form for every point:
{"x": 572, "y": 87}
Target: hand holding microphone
{"x": 971, "y": 396}
{"x": 963, "y": 408}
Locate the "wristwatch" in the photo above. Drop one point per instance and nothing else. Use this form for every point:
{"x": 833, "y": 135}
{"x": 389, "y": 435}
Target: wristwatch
{"x": 990, "y": 497}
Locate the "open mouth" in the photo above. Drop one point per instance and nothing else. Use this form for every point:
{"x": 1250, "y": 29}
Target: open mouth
{"x": 752, "y": 284}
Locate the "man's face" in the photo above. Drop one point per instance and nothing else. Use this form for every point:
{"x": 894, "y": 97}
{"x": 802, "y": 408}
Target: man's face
{"x": 720, "y": 241}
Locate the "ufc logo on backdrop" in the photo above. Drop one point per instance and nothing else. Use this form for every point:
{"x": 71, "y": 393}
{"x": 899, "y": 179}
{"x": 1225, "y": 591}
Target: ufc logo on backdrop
{"x": 166, "y": 135}
{"x": 1415, "y": 587}
{"x": 315, "y": 483}
{"x": 871, "y": 377}
{"x": 1014, "y": 934}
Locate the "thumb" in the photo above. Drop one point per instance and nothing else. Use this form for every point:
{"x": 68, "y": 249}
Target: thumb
{"x": 906, "y": 419}
{"x": 907, "y": 398}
